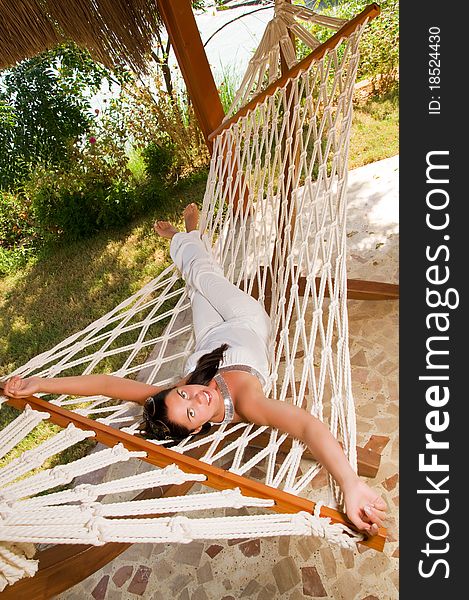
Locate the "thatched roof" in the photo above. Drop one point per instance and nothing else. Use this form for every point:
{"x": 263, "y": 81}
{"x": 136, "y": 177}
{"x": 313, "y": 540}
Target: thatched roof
{"x": 114, "y": 31}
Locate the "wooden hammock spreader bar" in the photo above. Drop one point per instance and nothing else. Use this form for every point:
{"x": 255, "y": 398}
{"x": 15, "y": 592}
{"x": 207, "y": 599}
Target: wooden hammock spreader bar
{"x": 216, "y": 478}
{"x": 369, "y": 13}
{"x": 357, "y": 289}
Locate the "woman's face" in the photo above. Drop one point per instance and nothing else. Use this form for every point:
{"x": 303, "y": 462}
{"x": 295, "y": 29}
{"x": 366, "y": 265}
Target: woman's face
{"x": 193, "y": 405}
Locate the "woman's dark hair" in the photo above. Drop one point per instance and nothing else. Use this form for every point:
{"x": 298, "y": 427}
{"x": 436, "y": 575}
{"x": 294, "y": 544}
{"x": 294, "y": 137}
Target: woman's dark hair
{"x": 156, "y": 424}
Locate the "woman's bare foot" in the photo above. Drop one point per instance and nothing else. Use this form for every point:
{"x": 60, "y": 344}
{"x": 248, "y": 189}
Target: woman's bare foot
{"x": 191, "y": 217}
{"x": 165, "y": 229}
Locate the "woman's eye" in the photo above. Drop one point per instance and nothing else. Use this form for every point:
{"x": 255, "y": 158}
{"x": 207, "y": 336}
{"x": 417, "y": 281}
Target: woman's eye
{"x": 191, "y": 413}
{"x": 183, "y": 394}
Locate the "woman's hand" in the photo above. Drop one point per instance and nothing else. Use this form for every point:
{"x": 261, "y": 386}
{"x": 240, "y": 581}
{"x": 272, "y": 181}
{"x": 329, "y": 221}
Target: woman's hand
{"x": 17, "y": 387}
{"x": 364, "y": 507}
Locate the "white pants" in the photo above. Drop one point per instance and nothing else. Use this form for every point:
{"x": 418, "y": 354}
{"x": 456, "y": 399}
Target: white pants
{"x": 221, "y": 312}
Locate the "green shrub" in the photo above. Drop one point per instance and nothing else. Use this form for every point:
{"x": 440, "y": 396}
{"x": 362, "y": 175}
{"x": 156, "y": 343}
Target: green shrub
{"x": 73, "y": 204}
{"x": 160, "y": 161}
{"x": 15, "y": 220}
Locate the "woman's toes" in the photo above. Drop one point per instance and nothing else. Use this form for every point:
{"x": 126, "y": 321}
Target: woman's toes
{"x": 165, "y": 229}
{"x": 191, "y": 217}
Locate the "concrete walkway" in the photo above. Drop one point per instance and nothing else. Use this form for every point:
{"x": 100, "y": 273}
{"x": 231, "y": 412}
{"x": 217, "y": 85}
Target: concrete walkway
{"x": 293, "y": 568}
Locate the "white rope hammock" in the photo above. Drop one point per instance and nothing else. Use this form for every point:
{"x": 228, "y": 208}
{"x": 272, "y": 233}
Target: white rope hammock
{"x": 265, "y": 65}
{"x": 274, "y": 211}
{"x": 76, "y": 516}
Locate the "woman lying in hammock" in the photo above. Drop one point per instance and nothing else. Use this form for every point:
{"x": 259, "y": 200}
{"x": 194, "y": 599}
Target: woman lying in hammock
{"x": 224, "y": 376}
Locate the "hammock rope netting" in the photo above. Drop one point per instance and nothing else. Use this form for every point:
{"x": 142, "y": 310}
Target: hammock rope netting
{"x": 274, "y": 214}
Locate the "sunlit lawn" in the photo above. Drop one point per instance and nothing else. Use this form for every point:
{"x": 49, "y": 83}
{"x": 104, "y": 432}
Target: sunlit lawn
{"x": 375, "y": 130}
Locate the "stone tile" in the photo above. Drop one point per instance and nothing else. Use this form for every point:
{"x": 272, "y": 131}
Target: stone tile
{"x": 286, "y": 574}
{"x": 189, "y": 554}
{"x": 370, "y": 598}
{"x": 236, "y": 512}
{"x": 391, "y": 482}
{"x": 320, "y": 480}
{"x": 99, "y": 592}
{"x": 146, "y": 550}
{"x": 395, "y": 554}
{"x": 200, "y": 594}
{"x": 158, "y": 549}
{"x": 312, "y": 584}
{"x": 284, "y": 545}
{"x": 114, "y": 594}
{"x": 385, "y": 423}
{"x": 307, "y": 545}
{"x": 329, "y": 562}
{"x": 179, "y": 582}
{"x": 296, "y": 595}
{"x": 139, "y": 583}
{"x": 227, "y": 584}
{"x": 213, "y": 550}
{"x": 394, "y": 577}
{"x": 163, "y": 569}
{"x": 370, "y": 411}
{"x": 252, "y": 588}
{"x": 122, "y": 575}
{"x": 375, "y": 563}
{"x": 204, "y": 573}
{"x": 359, "y": 359}
{"x": 251, "y": 548}
{"x": 236, "y": 541}
{"x": 347, "y": 555}
{"x": 348, "y": 586}
{"x": 132, "y": 554}
{"x": 267, "y": 593}
{"x": 377, "y": 443}
{"x": 184, "y": 595}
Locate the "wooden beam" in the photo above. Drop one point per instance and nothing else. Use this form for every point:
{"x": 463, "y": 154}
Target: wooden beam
{"x": 369, "y": 13}
{"x": 357, "y": 289}
{"x": 216, "y": 478}
{"x": 185, "y": 39}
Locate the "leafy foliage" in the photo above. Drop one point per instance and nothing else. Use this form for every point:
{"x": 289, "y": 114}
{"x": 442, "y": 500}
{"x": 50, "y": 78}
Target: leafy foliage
{"x": 379, "y": 45}
{"x": 155, "y": 119}
{"x": 44, "y": 110}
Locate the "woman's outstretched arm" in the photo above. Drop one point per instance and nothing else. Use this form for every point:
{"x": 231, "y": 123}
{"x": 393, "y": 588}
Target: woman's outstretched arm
{"x": 82, "y": 385}
{"x": 364, "y": 507}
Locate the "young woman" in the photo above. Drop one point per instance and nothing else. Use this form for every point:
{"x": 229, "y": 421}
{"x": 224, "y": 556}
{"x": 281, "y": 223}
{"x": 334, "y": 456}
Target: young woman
{"x": 224, "y": 376}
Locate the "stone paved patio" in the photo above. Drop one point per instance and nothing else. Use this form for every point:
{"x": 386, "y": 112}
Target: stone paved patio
{"x": 292, "y": 568}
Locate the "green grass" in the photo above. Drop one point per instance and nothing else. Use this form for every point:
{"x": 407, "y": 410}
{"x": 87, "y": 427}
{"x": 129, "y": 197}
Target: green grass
{"x": 375, "y": 130}
{"x": 65, "y": 288}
